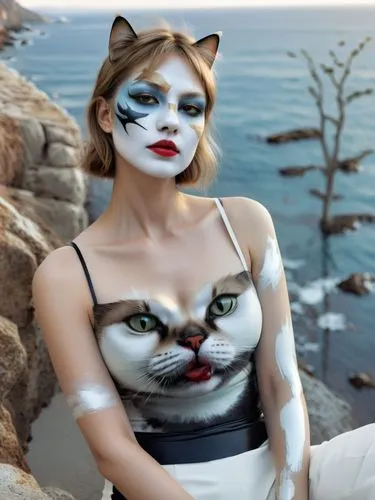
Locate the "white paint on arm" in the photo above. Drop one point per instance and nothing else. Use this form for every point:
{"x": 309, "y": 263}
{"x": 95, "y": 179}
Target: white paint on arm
{"x": 292, "y": 418}
{"x": 272, "y": 269}
{"x": 90, "y": 398}
{"x": 286, "y": 359}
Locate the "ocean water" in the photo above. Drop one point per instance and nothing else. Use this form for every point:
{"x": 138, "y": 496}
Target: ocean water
{"x": 262, "y": 91}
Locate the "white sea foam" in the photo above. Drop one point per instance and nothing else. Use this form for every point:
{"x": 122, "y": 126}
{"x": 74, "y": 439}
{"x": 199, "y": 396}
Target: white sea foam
{"x": 332, "y": 321}
{"x": 314, "y": 292}
{"x": 293, "y": 264}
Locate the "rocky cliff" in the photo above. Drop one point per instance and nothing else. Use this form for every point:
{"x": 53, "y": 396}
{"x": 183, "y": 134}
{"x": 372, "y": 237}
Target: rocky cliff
{"x": 14, "y": 15}
{"x": 42, "y": 196}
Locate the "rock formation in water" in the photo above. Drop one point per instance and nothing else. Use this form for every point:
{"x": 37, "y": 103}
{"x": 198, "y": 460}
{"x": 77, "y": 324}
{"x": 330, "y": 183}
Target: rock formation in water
{"x": 14, "y": 16}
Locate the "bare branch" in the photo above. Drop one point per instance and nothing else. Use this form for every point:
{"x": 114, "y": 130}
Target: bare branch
{"x": 358, "y": 94}
{"x": 335, "y": 59}
{"x": 331, "y": 119}
{"x": 330, "y": 72}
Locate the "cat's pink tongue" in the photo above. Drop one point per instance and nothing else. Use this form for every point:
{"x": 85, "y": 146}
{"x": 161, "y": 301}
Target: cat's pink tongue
{"x": 199, "y": 374}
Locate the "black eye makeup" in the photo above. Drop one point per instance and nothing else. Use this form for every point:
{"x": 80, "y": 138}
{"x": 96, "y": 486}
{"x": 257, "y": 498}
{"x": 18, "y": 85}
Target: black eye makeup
{"x": 148, "y": 94}
{"x": 193, "y": 108}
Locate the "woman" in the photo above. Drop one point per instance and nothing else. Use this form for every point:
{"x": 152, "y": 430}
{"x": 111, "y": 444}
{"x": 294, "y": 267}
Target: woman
{"x": 177, "y": 356}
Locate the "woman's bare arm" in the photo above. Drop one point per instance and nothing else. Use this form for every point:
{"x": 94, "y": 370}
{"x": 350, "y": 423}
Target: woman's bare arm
{"x": 280, "y": 387}
{"x": 62, "y": 305}
{"x": 279, "y": 381}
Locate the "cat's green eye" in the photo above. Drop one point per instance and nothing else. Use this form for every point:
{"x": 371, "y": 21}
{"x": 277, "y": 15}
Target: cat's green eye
{"x": 142, "y": 323}
{"x": 223, "y": 305}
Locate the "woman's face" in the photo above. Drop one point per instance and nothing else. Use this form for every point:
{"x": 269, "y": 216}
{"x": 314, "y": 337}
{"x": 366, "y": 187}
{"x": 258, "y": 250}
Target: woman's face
{"x": 166, "y": 105}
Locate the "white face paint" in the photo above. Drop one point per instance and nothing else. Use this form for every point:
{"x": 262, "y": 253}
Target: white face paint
{"x": 165, "y": 105}
{"x": 90, "y": 398}
{"x": 272, "y": 267}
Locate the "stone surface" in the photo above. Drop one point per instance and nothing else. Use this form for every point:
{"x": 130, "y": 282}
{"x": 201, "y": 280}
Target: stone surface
{"x": 65, "y": 184}
{"x": 11, "y": 150}
{"x": 358, "y": 284}
{"x": 66, "y": 219}
{"x": 329, "y": 415}
{"x": 61, "y": 155}
{"x": 34, "y": 140}
{"x": 16, "y": 484}
{"x": 33, "y": 222}
{"x": 293, "y": 135}
{"x": 57, "y": 494}
{"x": 67, "y": 135}
{"x": 17, "y": 15}
{"x": 23, "y": 246}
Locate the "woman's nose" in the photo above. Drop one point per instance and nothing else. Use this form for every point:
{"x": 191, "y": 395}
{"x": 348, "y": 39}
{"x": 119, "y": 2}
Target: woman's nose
{"x": 168, "y": 120}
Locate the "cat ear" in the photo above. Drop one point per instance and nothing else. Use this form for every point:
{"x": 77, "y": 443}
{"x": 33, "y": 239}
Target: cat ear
{"x": 210, "y": 45}
{"x": 121, "y": 32}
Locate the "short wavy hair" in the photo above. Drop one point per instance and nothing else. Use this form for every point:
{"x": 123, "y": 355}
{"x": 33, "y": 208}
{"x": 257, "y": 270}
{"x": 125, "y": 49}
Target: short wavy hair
{"x": 153, "y": 46}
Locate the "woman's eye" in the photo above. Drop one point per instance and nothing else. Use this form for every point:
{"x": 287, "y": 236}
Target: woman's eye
{"x": 142, "y": 323}
{"x": 191, "y": 110}
{"x": 145, "y": 99}
{"x": 223, "y": 305}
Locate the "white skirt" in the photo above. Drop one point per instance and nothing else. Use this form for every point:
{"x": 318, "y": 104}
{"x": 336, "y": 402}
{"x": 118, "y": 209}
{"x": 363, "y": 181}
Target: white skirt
{"x": 340, "y": 469}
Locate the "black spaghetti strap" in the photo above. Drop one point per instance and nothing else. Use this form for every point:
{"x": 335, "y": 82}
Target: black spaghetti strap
{"x": 86, "y": 271}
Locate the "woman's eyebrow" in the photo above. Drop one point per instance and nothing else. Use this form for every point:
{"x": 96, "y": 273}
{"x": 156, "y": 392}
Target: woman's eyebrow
{"x": 156, "y": 81}
{"x": 165, "y": 88}
{"x": 193, "y": 95}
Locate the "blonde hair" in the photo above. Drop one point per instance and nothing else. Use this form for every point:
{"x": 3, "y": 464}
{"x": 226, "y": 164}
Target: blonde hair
{"x": 150, "y": 45}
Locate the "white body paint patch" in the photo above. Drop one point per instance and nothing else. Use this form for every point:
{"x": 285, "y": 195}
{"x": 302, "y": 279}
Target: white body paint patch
{"x": 292, "y": 418}
{"x": 285, "y": 358}
{"x": 272, "y": 266}
{"x": 293, "y": 425}
{"x": 287, "y": 489}
{"x": 91, "y": 398}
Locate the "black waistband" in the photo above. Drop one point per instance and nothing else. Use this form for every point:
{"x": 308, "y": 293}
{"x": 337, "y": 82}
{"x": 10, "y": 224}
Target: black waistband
{"x": 203, "y": 445}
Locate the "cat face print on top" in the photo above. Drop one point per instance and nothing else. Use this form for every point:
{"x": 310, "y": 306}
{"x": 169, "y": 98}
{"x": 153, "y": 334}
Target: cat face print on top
{"x": 159, "y": 118}
{"x": 176, "y": 365}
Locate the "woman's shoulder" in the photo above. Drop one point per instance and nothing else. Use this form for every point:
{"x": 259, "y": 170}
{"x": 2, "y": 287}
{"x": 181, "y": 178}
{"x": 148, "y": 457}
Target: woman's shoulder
{"x": 246, "y": 213}
{"x": 60, "y": 269}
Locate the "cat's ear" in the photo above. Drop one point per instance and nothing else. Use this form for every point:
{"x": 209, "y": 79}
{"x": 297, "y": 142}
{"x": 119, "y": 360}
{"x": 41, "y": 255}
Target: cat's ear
{"x": 210, "y": 46}
{"x": 121, "y": 33}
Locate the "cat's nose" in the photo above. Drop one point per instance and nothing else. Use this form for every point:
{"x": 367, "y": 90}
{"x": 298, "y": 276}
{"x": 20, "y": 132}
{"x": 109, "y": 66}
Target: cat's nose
{"x": 192, "y": 342}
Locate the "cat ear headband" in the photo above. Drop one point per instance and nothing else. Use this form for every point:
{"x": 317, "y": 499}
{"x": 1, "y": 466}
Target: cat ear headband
{"x": 123, "y": 33}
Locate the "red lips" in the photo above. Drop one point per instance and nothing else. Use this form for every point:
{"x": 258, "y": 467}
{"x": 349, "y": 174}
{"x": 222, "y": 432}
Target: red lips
{"x": 164, "y": 148}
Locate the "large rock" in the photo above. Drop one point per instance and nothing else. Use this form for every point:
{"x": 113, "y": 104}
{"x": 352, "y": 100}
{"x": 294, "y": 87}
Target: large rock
{"x": 27, "y": 379}
{"x": 11, "y": 150}
{"x": 16, "y": 484}
{"x": 329, "y": 415}
{"x": 61, "y": 155}
{"x": 64, "y": 184}
{"x": 46, "y": 147}
{"x": 34, "y": 140}
{"x": 66, "y": 219}
{"x": 13, "y": 361}
{"x": 17, "y": 15}
{"x": 65, "y": 135}
{"x": 23, "y": 246}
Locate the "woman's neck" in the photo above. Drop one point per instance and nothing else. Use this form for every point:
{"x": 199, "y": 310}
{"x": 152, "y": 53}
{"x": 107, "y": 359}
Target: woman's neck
{"x": 143, "y": 206}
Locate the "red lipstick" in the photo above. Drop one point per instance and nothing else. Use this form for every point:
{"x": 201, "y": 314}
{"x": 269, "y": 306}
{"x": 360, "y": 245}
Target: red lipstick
{"x": 164, "y": 148}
